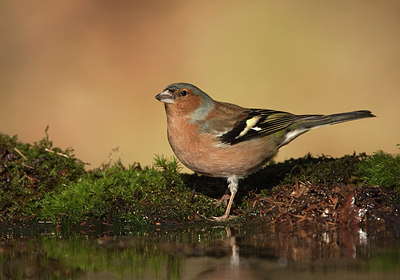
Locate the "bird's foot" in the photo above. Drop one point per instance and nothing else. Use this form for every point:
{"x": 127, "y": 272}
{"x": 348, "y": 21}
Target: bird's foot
{"x": 223, "y": 218}
{"x": 224, "y": 199}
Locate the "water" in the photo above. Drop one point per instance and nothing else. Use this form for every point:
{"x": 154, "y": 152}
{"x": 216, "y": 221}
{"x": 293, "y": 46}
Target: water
{"x": 199, "y": 252}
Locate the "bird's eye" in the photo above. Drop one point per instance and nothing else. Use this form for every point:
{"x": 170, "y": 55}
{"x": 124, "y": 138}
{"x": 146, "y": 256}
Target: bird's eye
{"x": 183, "y": 93}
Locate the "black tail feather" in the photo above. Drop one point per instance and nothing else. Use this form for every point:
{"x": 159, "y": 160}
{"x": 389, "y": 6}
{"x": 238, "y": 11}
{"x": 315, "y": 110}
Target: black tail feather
{"x": 311, "y": 121}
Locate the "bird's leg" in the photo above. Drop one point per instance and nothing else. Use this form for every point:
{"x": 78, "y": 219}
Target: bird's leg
{"x": 228, "y": 208}
{"x": 224, "y": 199}
{"x": 233, "y": 182}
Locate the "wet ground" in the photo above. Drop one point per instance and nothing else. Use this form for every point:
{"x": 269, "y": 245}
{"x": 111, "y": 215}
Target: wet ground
{"x": 251, "y": 251}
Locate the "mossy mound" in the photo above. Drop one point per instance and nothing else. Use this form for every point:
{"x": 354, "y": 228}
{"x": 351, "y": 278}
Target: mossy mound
{"x": 29, "y": 171}
{"x": 47, "y": 183}
{"x": 381, "y": 169}
{"x": 39, "y": 181}
{"x": 153, "y": 194}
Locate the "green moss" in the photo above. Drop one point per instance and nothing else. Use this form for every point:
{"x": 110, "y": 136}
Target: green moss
{"x": 51, "y": 183}
{"x": 132, "y": 194}
{"x": 381, "y": 169}
{"x": 28, "y": 171}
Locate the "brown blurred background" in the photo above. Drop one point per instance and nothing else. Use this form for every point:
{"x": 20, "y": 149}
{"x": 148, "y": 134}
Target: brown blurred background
{"x": 91, "y": 69}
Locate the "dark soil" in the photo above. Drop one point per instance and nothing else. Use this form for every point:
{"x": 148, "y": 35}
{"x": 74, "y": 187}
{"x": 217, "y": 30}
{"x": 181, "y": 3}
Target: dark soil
{"x": 323, "y": 206}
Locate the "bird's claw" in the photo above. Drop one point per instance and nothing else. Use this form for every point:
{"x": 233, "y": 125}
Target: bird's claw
{"x": 224, "y": 199}
{"x": 223, "y": 218}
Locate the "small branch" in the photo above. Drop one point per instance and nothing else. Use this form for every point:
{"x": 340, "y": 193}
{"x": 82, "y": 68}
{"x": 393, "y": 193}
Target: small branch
{"x": 57, "y": 153}
{"x": 20, "y": 153}
{"x": 27, "y": 166}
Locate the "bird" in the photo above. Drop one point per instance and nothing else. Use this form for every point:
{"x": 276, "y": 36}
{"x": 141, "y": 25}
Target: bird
{"x": 225, "y": 140}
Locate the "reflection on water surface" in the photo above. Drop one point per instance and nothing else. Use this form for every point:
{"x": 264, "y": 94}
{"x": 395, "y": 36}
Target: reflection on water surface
{"x": 202, "y": 252}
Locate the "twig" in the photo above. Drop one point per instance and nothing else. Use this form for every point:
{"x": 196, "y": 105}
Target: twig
{"x": 269, "y": 209}
{"x": 20, "y": 153}
{"x": 27, "y": 166}
{"x": 57, "y": 153}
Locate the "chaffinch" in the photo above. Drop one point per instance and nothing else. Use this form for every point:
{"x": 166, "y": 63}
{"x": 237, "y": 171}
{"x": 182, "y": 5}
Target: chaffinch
{"x": 220, "y": 139}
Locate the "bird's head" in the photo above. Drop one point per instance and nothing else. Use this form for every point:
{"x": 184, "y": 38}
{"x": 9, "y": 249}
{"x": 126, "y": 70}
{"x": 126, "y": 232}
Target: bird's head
{"x": 186, "y": 99}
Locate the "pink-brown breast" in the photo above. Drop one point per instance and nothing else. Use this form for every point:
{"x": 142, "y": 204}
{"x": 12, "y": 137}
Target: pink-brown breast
{"x": 205, "y": 154}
